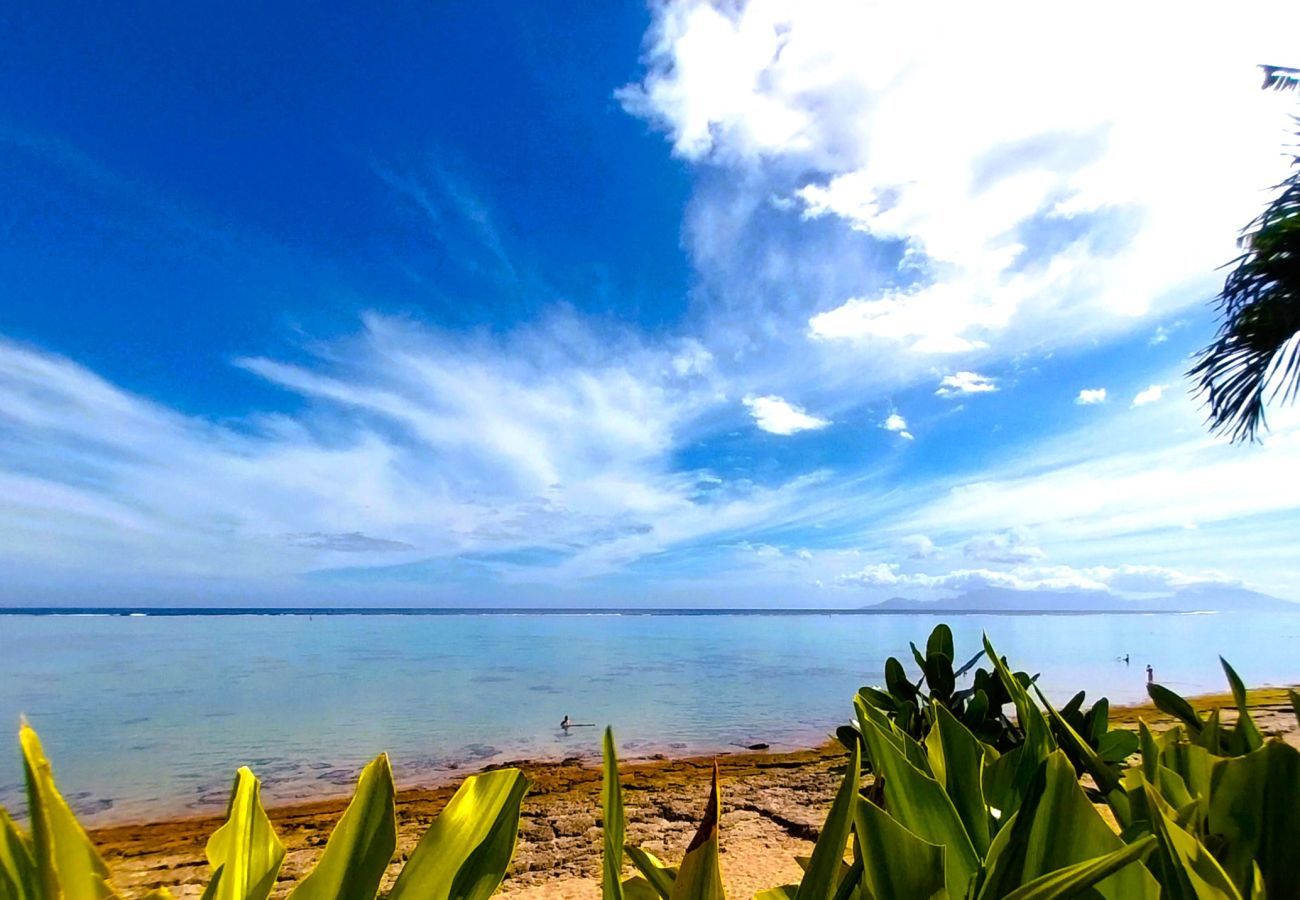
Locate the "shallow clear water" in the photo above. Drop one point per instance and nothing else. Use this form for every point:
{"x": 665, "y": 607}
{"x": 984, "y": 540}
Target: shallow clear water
{"x": 151, "y": 715}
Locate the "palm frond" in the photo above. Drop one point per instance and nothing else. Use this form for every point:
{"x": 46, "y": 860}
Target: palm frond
{"x": 1281, "y": 78}
{"x": 1255, "y": 357}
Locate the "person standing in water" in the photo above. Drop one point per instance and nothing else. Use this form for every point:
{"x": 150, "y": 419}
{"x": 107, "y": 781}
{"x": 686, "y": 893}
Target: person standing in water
{"x": 566, "y": 724}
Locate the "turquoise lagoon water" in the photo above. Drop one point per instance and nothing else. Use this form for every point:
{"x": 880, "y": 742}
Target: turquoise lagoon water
{"x": 150, "y": 715}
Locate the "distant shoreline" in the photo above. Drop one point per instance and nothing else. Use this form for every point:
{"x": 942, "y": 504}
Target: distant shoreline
{"x": 179, "y": 611}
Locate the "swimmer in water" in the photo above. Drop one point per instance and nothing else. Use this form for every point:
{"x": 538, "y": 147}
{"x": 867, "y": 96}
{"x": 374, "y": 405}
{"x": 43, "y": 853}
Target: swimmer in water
{"x": 566, "y": 724}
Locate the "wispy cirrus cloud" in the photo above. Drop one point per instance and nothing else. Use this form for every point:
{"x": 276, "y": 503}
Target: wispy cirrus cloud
{"x": 410, "y": 441}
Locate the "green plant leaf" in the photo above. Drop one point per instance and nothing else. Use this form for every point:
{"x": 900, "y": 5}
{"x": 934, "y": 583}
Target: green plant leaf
{"x": 957, "y": 761}
{"x": 1188, "y": 870}
{"x": 1102, "y": 772}
{"x": 244, "y": 853}
{"x": 1117, "y": 746}
{"x": 825, "y": 869}
{"x": 896, "y": 863}
{"x": 1055, "y": 828}
{"x": 1295, "y": 704}
{"x": 659, "y": 876}
{"x": 1038, "y": 742}
{"x": 1245, "y": 731}
{"x": 18, "y": 880}
{"x": 1169, "y": 702}
{"x": 940, "y": 642}
{"x": 67, "y": 865}
{"x": 466, "y": 851}
{"x": 1074, "y": 880}
{"x": 638, "y": 888}
{"x": 700, "y": 877}
{"x": 919, "y": 803}
{"x": 611, "y": 799}
{"x": 1255, "y": 811}
{"x": 878, "y": 699}
{"x": 896, "y": 681}
{"x": 361, "y": 845}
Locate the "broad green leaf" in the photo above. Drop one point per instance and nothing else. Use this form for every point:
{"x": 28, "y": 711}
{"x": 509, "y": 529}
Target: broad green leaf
{"x": 67, "y": 865}
{"x": 919, "y": 803}
{"x": 897, "y": 863}
{"x": 1169, "y": 702}
{"x": 1245, "y": 732}
{"x": 361, "y": 845}
{"x": 1074, "y": 880}
{"x": 957, "y": 761}
{"x": 659, "y": 876}
{"x": 1055, "y": 828}
{"x": 941, "y": 642}
{"x": 1255, "y": 811}
{"x": 1188, "y": 870}
{"x": 1193, "y": 764}
{"x": 896, "y": 681}
{"x": 912, "y": 751}
{"x": 699, "y": 877}
{"x": 825, "y": 869}
{"x": 18, "y": 880}
{"x": 1117, "y": 746}
{"x": 1000, "y": 789}
{"x": 638, "y": 888}
{"x": 878, "y": 699}
{"x": 1038, "y": 741}
{"x": 784, "y": 892}
{"x": 1150, "y": 752}
{"x": 1102, "y": 772}
{"x": 611, "y": 799}
{"x": 466, "y": 851}
{"x": 244, "y": 853}
{"x": 1211, "y": 736}
{"x": 1295, "y": 704}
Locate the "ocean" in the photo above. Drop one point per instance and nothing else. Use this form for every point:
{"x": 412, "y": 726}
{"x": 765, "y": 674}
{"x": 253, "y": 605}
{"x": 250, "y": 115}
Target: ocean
{"x": 149, "y": 715}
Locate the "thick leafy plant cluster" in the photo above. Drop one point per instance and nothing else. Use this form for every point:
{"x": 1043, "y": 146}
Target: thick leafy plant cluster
{"x": 982, "y": 706}
{"x": 1209, "y": 814}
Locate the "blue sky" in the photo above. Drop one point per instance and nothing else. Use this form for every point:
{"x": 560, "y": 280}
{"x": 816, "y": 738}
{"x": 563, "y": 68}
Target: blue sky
{"x": 795, "y": 304}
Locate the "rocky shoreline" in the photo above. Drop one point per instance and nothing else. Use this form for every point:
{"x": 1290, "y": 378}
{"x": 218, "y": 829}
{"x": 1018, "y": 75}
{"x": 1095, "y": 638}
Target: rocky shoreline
{"x": 773, "y": 805}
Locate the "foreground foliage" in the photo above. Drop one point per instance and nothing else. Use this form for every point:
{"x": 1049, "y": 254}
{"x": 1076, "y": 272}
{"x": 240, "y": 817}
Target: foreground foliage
{"x": 463, "y": 856}
{"x": 968, "y": 802}
{"x": 1209, "y": 813}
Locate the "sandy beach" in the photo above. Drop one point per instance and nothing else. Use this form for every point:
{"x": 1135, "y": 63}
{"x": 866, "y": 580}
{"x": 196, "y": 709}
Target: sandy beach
{"x": 773, "y": 807}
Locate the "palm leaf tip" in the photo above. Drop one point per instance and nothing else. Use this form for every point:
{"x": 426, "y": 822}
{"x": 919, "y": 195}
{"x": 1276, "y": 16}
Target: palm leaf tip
{"x": 1255, "y": 356}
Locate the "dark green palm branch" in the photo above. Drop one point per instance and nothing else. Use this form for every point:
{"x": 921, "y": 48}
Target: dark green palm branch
{"x": 1255, "y": 359}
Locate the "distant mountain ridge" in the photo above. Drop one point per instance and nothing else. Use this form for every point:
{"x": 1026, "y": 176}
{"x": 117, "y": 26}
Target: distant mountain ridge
{"x": 1195, "y": 598}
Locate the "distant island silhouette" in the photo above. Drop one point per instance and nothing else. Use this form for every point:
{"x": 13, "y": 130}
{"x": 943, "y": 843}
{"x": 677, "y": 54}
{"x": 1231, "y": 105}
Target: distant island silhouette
{"x": 1194, "y": 598}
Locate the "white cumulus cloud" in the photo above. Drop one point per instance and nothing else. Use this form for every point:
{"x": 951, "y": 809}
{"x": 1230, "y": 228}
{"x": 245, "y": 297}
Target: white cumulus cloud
{"x": 966, "y": 383}
{"x": 777, "y": 416}
{"x": 1091, "y": 396}
{"x": 1033, "y": 193}
{"x": 897, "y": 424}
{"x": 1153, "y": 394}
